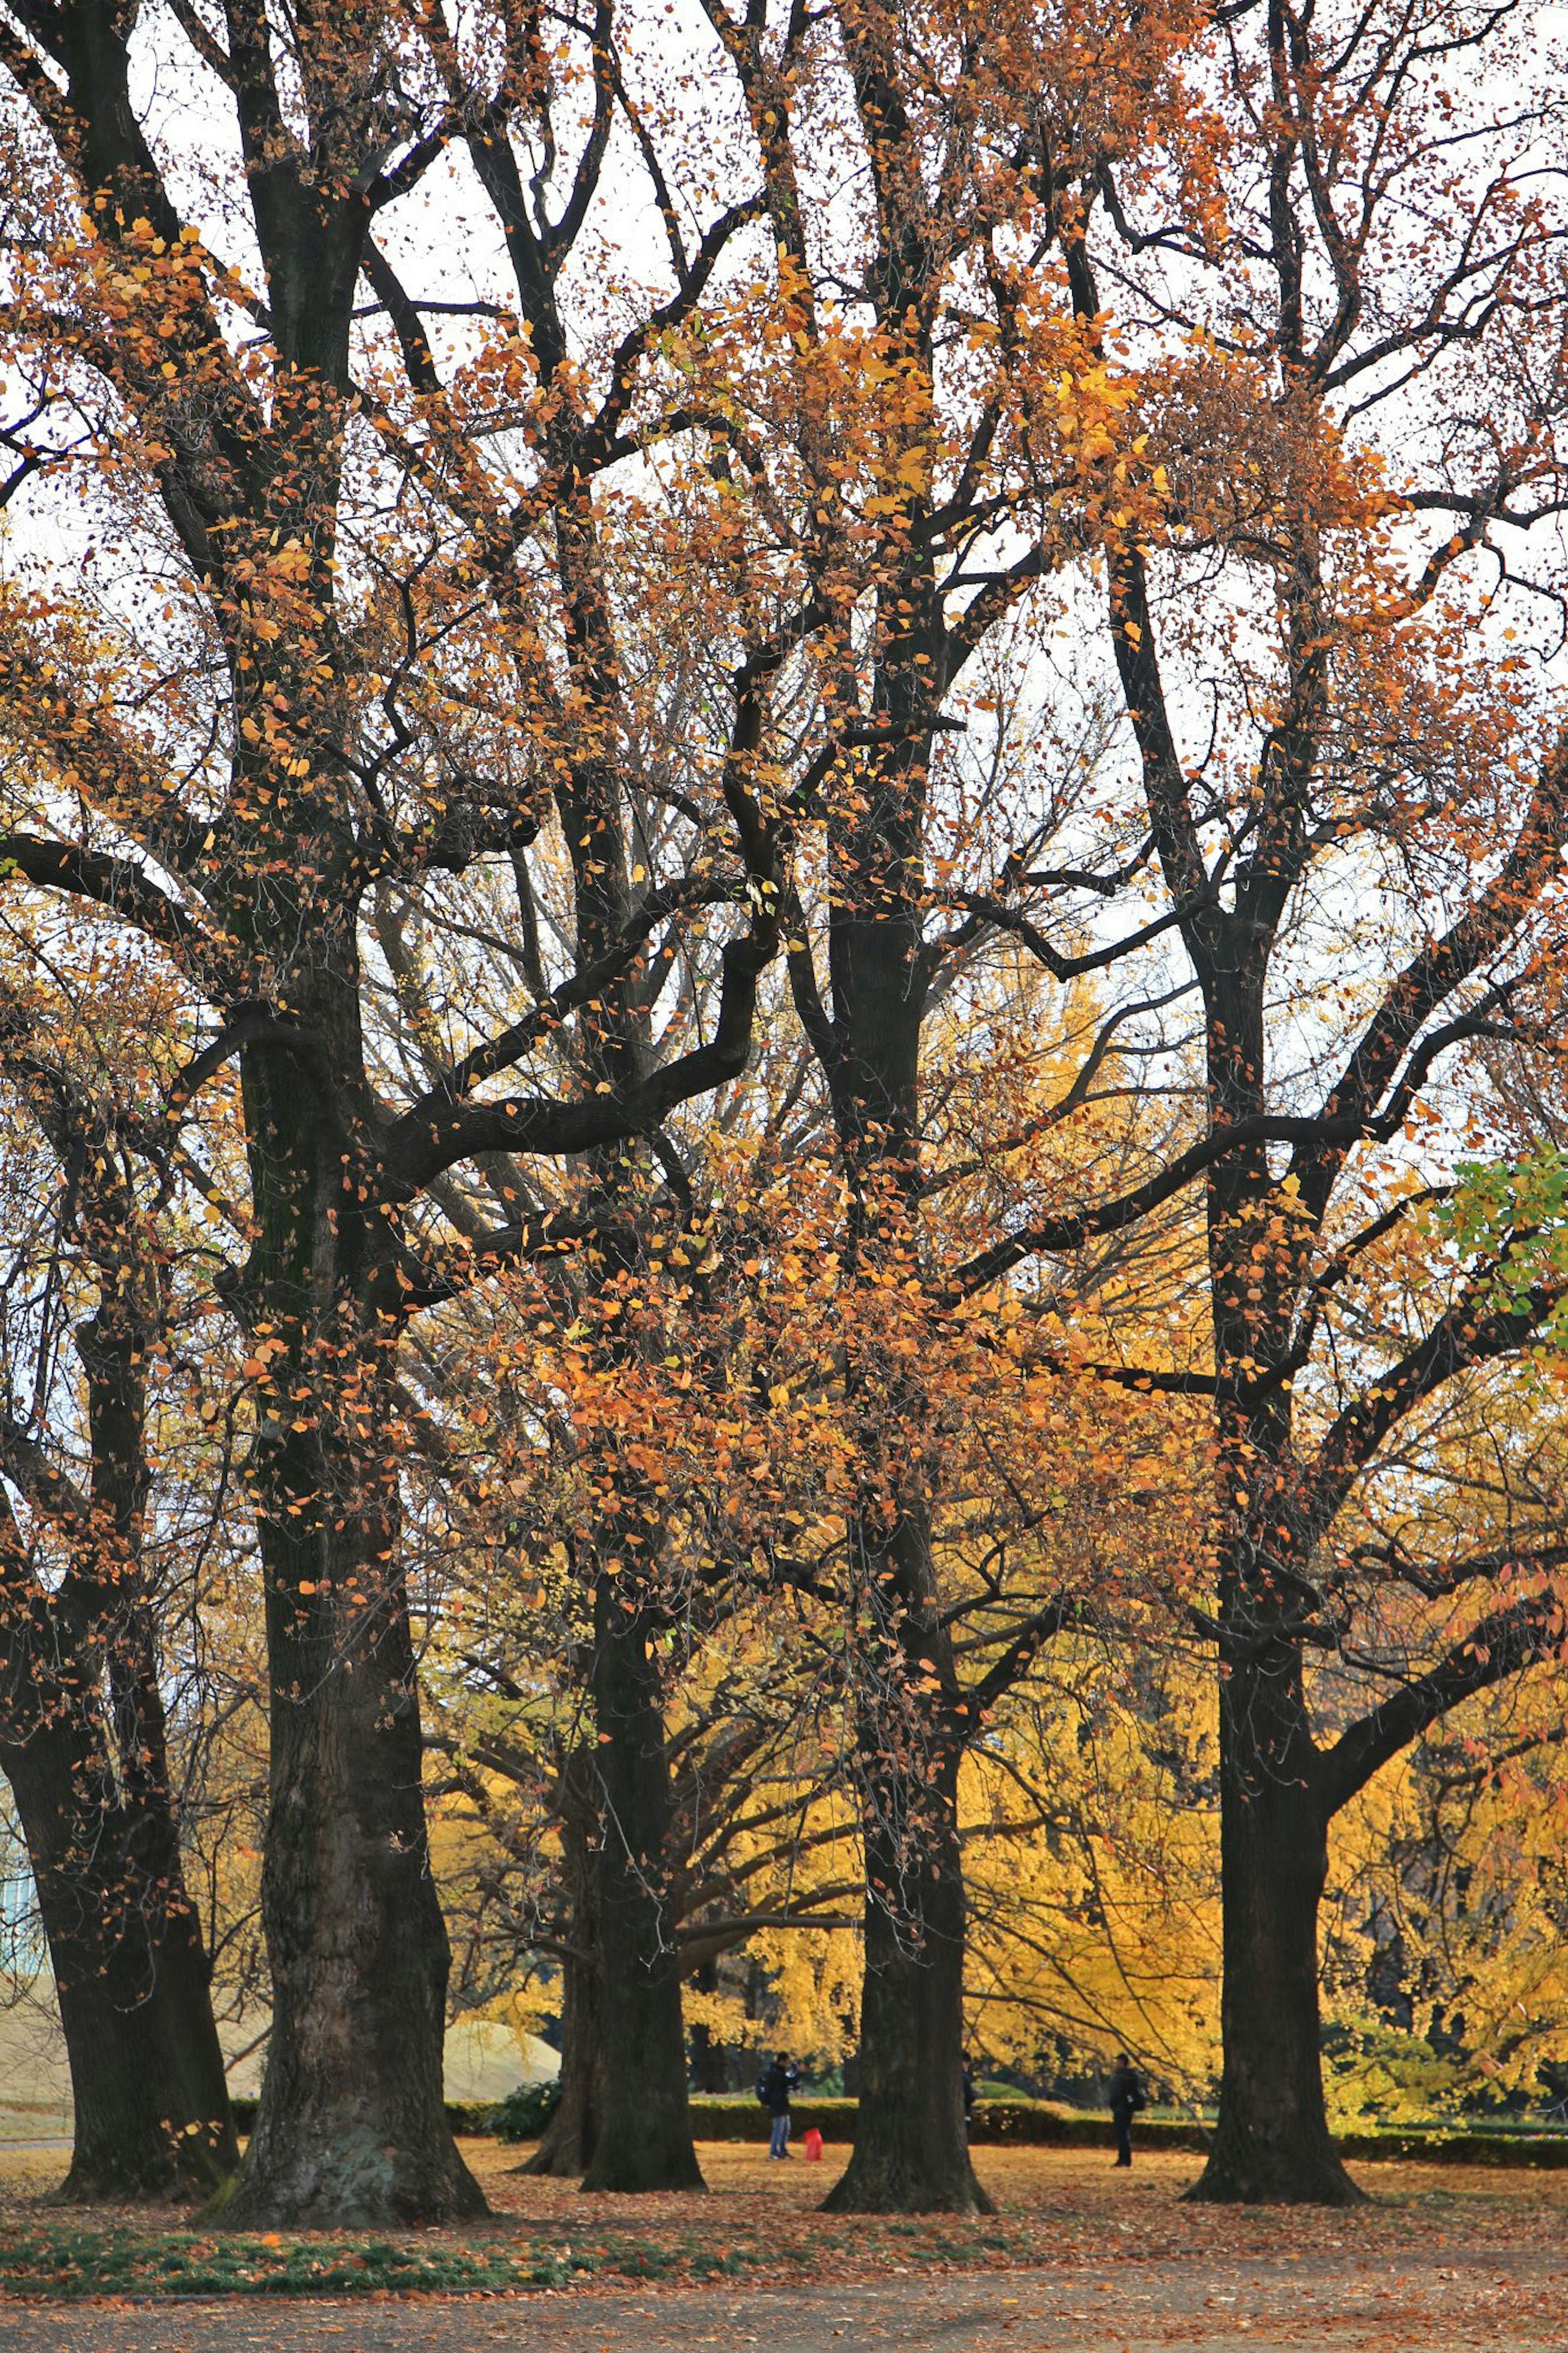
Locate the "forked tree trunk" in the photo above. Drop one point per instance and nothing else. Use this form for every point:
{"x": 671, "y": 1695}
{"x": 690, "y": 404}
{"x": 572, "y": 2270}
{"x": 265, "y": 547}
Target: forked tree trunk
{"x": 911, "y": 2154}
{"x": 645, "y": 2128}
{"x": 152, "y": 2116}
{"x": 1271, "y": 2142}
{"x": 350, "y": 2128}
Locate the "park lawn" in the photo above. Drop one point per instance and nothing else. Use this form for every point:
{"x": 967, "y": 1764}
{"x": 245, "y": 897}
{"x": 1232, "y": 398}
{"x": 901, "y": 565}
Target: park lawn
{"x": 759, "y": 2222}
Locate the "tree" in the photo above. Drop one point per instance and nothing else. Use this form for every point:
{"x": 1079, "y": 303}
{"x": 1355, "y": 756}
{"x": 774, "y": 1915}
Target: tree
{"x": 1098, "y": 1930}
{"x": 1444, "y": 1951}
{"x": 84, "y": 1735}
{"x": 296, "y": 686}
{"x": 621, "y": 1222}
{"x": 371, "y": 675}
{"x": 614, "y": 1426}
{"x": 944, "y": 458}
{"x": 1359, "y": 799}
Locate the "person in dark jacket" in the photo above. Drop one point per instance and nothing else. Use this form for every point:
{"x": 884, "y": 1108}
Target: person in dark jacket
{"x": 778, "y": 2081}
{"x": 1126, "y": 2096}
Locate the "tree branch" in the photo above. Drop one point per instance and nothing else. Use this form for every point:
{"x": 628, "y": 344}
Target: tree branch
{"x": 1501, "y": 1645}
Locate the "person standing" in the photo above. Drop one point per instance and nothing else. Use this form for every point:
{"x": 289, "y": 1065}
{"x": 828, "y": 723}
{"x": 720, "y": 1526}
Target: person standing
{"x": 778, "y": 2081}
{"x": 1126, "y": 2096}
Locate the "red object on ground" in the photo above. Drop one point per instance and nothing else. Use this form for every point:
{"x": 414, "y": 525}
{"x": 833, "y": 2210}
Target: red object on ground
{"x": 812, "y": 2145}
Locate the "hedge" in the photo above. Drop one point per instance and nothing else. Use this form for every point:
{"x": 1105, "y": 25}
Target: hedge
{"x": 1040, "y": 2124}
{"x": 470, "y": 2119}
{"x": 995, "y": 2120}
{"x": 1035, "y": 2122}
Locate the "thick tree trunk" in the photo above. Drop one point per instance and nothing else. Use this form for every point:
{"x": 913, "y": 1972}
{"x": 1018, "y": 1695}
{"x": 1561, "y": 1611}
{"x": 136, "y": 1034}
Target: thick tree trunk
{"x": 645, "y": 2128}
{"x": 132, "y": 1979}
{"x": 351, "y": 2129}
{"x": 911, "y": 2153}
{"x": 84, "y": 1745}
{"x": 1271, "y": 2143}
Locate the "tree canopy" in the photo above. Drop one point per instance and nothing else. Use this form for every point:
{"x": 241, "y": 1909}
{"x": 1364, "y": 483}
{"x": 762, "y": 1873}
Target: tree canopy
{"x": 782, "y": 810}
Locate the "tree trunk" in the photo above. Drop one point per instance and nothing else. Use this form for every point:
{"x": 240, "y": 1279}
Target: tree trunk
{"x": 570, "y": 2137}
{"x": 645, "y": 2129}
{"x": 132, "y": 1979}
{"x": 710, "y": 2057}
{"x": 1271, "y": 2143}
{"x": 351, "y": 2129}
{"x": 85, "y": 1746}
{"x": 911, "y": 2153}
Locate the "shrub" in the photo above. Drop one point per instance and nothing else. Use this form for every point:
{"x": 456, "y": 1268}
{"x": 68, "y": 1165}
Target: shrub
{"x": 523, "y": 2114}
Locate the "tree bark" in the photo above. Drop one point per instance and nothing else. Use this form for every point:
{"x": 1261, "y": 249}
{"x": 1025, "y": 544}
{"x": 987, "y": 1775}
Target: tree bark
{"x": 911, "y": 2154}
{"x": 570, "y": 2137}
{"x": 1271, "y": 2142}
{"x": 645, "y": 2127}
{"x": 84, "y": 1744}
{"x": 132, "y": 1976}
{"x": 710, "y": 2057}
{"x": 351, "y": 2129}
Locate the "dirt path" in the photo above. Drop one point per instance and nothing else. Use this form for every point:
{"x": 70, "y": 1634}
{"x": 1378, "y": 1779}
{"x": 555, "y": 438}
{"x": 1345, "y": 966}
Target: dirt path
{"x": 1505, "y": 2302}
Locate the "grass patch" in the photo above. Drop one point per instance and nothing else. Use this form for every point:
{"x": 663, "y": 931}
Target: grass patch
{"x": 60, "y": 2260}
{"x": 67, "y": 2260}
{"x": 71, "y": 2262}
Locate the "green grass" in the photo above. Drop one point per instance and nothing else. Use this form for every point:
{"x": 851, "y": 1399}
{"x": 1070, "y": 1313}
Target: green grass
{"x": 67, "y": 2260}
{"x": 58, "y": 2260}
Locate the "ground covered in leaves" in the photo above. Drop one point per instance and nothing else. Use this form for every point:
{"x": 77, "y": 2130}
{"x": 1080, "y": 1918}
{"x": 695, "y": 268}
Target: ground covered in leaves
{"x": 1078, "y": 2255}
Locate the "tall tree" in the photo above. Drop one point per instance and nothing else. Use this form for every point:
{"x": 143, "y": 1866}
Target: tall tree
{"x": 602, "y": 1393}
{"x": 951, "y": 415}
{"x": 268, "y": 716}
{"x": 1359, "y": 798}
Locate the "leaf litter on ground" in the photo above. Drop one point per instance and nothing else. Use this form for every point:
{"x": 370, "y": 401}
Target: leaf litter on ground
{"x": 1057, "y": 2209}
